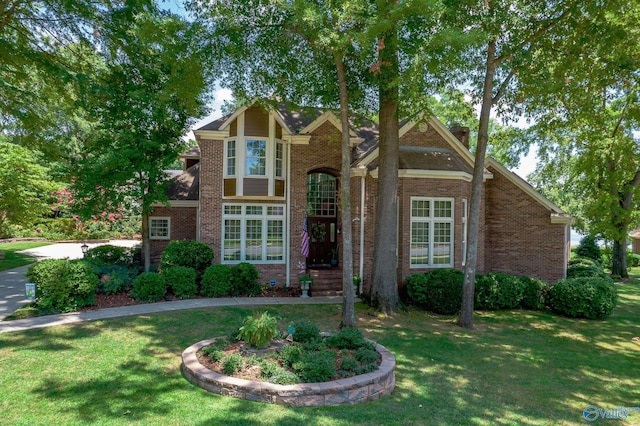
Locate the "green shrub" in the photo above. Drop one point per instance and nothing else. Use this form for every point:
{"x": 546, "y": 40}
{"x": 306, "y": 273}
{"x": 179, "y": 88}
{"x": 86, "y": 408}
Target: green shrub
{"x": 316, "y": 367}
{"x": 305, "y": 332}
{"x": 534, "y": 293}
{"x": 368, "y": 368}
{"x": 494, "y": 291}
{"x": 213, "y": 353}
{"x": 189, "y": 253}
{"x": 633, "y": 260}
{"x": 347, "y": 338}
{"x": 110, "y": 254}
{"x": 216, "y": 281}
{"x": 244, "y": 280}
{"x": 439, "y": 290}
{"x": 589, "y": 248}
{"x": 367, "y": 356}
{"x": 258, "y": 329}
{"x": 580, "y": 270}
{"x": 181, "y": 280}
{"x": 592, "y": 298}
{"x": 149, "y": 287}
{"x": 114, "y": 278}
{"x": 284, "y": 377}
{"x": 232, "y": 363}
{"x": 290, "y": 354}
{"x": 584, "y": 261}
{"x": 63, "y": 285}
{"x": 348, "y": 364}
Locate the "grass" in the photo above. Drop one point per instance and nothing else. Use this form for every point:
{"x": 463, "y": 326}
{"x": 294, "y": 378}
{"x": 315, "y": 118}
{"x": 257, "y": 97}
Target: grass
{"x": 13, "y": 259}
{"x": 515, "y": 368}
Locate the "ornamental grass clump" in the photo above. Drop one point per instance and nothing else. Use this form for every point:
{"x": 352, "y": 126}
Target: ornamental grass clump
{"x": 258, "y": 330}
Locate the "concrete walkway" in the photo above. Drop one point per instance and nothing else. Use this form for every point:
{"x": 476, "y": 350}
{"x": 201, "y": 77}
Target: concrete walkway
{"x": 75, "y": 317}
{"x": 12, "y": 295}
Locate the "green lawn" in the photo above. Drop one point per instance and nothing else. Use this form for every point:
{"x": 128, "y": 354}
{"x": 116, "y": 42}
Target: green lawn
{"x": 517, "y": 367}
{"x": 13, "y": 259}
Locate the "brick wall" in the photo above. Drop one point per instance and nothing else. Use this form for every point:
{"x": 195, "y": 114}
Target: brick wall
{"x": 183, "y": 227}
{"x": 521, "y": 240}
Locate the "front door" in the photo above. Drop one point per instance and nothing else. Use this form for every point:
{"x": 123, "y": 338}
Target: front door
{"x": 322, "y": 232}
{"x": 322, "y": 219}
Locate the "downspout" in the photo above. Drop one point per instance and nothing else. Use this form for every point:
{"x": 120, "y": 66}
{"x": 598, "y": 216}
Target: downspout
{"x": 362, "y": 194}
{"x": 288, "y": 220}
{"x": 567, "y": 248}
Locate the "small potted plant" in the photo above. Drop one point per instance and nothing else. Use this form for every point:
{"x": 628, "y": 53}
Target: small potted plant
{"x": 334, "y": 256}
{"x": 305, "y": 282}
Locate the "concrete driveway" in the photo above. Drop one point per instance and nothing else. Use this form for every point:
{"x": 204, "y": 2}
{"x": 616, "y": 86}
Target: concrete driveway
{"x": 12, "y": 294}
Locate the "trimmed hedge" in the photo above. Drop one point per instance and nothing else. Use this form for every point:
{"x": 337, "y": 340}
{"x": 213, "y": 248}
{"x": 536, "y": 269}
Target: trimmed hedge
{"x": 114, "y": 278}
{"x": 110, "y": 254}
{"x": 63, "y": 285}
{"x": 189, "y": 253}
{"x": 216, "y": 281}
{"x": 592, "y": 298}
{"x": 181, "y": 280}
{"x": 494, "y": 291}
{"x": 439, "y": 290}
{"x": 149, "y": 287}
{"x": 534, "y": 293}
{"x": 244, "y": 280}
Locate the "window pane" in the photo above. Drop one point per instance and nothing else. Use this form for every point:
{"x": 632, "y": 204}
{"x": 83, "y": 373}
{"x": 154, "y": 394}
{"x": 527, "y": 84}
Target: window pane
{"x": 254, "y": 210}
{"x": 441, "y": 243}
{"x": 321, "y": 194}
{"x": 279, "y": 160}
{"x": 231, "y": 158}
{"x": 442, "y": 208}
{"x": 256, "y": 157}
{"x": 275, "y": 211}
{"x": 420, "y": 208}
{"x": 232, "y": 235}
{"x": 253, "y": 240}
{"x": 275, "y": 240}
{"x": 233, "y": 210}
{"x": 419, "y": 243}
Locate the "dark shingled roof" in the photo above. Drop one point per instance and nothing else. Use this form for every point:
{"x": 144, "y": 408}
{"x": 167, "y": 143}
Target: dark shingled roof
{"x": 194, "y": 152}
{"x": 186, "y": 186}
{"x": 419, "y": 158}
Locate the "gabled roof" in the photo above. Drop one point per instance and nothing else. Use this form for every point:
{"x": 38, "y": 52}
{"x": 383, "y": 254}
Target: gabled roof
{"x": 186, "y": 186}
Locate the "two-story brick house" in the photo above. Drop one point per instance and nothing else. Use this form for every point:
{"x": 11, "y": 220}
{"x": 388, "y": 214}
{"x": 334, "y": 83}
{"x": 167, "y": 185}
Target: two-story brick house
{"x": 256, "y": 175}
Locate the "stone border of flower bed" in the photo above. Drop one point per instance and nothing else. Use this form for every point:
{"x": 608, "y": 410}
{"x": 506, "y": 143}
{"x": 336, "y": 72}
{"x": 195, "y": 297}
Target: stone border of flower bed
{"x": 352, "y": 390}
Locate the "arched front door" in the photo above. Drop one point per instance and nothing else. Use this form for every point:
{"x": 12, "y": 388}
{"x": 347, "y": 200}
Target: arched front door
{"x": 322, "y": 209}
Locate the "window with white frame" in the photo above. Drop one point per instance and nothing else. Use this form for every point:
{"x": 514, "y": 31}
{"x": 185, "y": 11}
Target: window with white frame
{"x": 159, "y": 228}
{"x": 230, "y": 153}
{"x": 253, "y": 233}
{"x": 279, "y": 160}
{"x": 256, "y": 157}
{"x": 431, "y": 232}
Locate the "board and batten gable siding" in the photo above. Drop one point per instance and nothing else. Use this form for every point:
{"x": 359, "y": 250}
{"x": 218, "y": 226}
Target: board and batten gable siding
{"x": 521, "y": 240}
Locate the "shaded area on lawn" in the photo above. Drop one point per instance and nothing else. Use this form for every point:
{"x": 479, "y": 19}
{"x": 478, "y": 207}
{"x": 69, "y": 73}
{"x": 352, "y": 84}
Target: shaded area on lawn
{"x": 518, "y": 367}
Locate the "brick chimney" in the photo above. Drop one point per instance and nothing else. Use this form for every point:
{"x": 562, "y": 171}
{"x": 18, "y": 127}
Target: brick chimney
{"x": 461, "y": 133}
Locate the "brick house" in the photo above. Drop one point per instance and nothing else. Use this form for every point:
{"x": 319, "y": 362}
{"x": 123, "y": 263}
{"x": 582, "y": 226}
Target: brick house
{"x": 257, "y": 174}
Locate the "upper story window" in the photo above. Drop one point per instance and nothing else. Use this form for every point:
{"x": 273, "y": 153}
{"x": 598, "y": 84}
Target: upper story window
{"x": 321, "y": 194}
{"x": 279, "y": 160}
{"x": 431, "y": 232}
{"x": 256, "y": 157}
{"x": 231, "y": 158}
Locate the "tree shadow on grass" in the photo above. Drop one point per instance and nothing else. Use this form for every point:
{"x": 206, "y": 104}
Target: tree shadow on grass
{"x": 133, "y": 392}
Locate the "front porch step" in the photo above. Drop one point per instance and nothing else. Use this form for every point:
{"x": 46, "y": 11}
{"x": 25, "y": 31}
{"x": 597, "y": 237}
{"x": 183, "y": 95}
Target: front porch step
{"x": 326, "y": 282}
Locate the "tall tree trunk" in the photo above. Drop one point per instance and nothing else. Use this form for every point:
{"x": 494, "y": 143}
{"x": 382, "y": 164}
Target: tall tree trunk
{"x": 348, "y": 296}
{"x": 619, "y": 259}
{"x": 466, "y": 314}
{"x": 384, "y": 286}
{"x": 146, "y": 245}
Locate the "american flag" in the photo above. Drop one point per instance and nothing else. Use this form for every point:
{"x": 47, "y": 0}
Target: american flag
{"x": 305, "y": 238}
